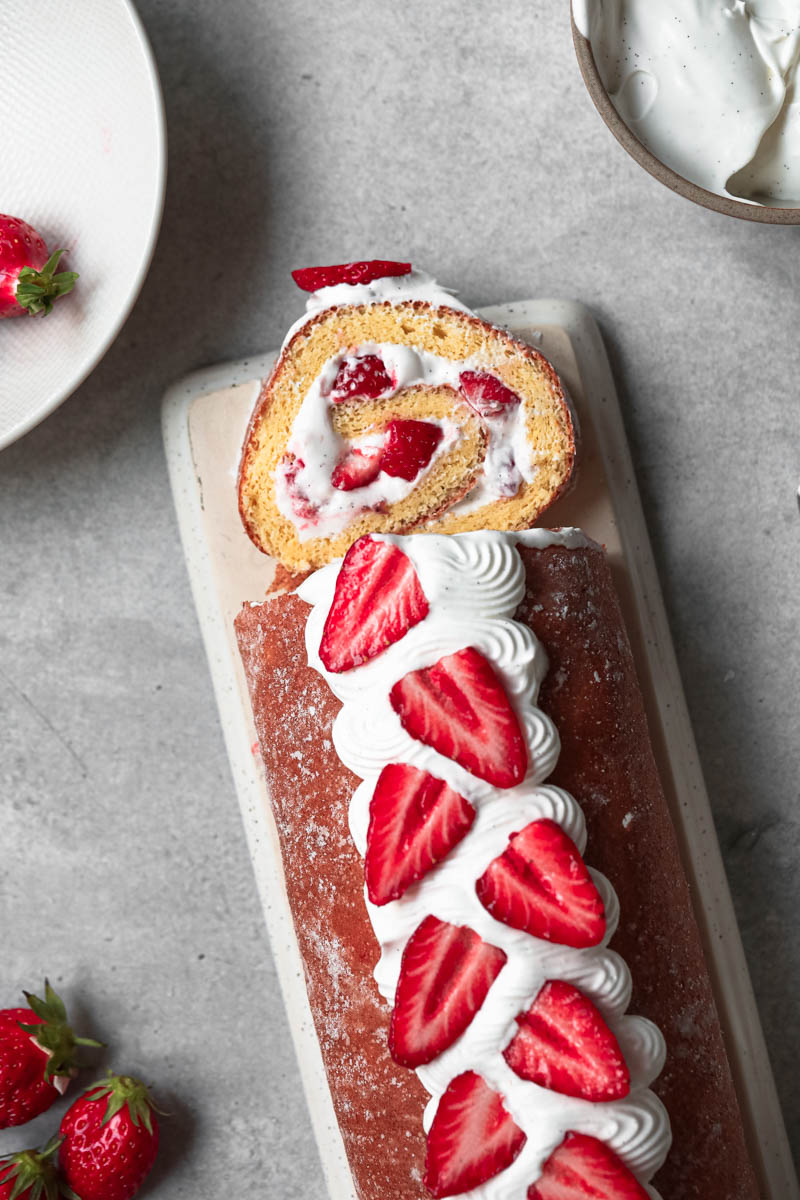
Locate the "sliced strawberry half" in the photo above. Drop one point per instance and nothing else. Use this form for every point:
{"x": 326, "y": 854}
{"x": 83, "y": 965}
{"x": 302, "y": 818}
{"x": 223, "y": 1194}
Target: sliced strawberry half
{"x": 415, "y": 820}
{"x": 564, "y": 1044}
{"x": 540, "y": 884}
{"x": 472, "y": 1138}
{"x": 487, "y": 394}
{"x": 409, "y": 447}
{"x": 356, "y": 470}
{"x": 584, "y": 1168}
{"x": 445, "y": 974}
{"x": 310, "y": 279}
{"x": 460, "y": 708}
{"x": 378, "y": 598}
{"x": 365, "y": 377}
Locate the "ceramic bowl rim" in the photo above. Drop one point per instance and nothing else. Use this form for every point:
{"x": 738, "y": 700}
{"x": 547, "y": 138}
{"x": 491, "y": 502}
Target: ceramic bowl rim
{"x": 765, "y": 214}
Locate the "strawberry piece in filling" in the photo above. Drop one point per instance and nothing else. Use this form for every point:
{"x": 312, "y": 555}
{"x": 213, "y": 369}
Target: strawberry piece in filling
{"x": 290, "y": 467}
{"x": 564, "y": 1044}
{"x": 310, "y": 279}
{"x": 459, "y": 707}
{"x": 409, "y": 447}
{"x": 415, "y": 820}
{"x": 472, "y": 1138}
{"x": 584, "y": 1168}
{"x": 357, "y": 470}
{"x": 445, "y": 974}
{"x": 488, "y": 395}
{"x": 365, "y": 377}
{"x": 541, "y": 884}
{"x": 378, "y": 598}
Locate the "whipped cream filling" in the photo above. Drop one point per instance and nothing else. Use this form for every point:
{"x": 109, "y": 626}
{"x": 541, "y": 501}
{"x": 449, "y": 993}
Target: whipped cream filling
{"x": 315, "y": 442}
{"x": 709, "y": 86}
{"x": 474, "y": 583}
{"x": 317, "y": 445}
{"x": 508, "y": 462}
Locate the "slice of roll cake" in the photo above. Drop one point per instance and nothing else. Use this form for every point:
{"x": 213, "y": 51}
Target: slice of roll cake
{"x": 393, "y": 407}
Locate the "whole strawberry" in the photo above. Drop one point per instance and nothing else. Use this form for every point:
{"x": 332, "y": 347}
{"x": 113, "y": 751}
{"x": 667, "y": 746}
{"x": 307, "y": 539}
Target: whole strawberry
{"x": 28, "y": 279}
{"x": 110, "y": 1140}
{"x": 32, "y": 1175}
{"x": 37, "y": 1057}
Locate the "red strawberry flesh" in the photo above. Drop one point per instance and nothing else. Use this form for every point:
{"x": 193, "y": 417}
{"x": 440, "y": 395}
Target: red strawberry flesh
{"x": 36, "y": 1046}
{"x": 29, "y": 280}
{"x": 459, "y": 707}
{"x": 310, "y": 279}
{"x": 540, "y": 884}
{"x": 564, "y": 1044}
{"x": 409, "y": 447}
{"x": 24, "y": 1091}
{"x": 378, "y": 598}
{"x": 584, "y": 1168}
{"x": 358, "y": 469}
{"x": 20, "y": 246}
{"x": 110, "y": 1140}
{"x": 365, "y": 378}
{"x": 303, "y": 508}
{"x": 415, "y": 821}
{"x": 472, "y": 1138}
{"x": 487, "y": 394}
{"x": 445, "y": 974}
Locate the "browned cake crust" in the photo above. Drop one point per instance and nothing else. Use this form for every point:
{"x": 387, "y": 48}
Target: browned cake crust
{"x": 378, "y": 1104}
{"x": 606, "y": 762}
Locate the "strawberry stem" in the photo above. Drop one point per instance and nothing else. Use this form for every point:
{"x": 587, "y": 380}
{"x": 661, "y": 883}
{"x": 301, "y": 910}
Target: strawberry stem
{"x": 54, "y": 1034}
{"x": 37, "y": 291}
{"x": 121, "y": 1091}
{"x": 32, "y": 1173}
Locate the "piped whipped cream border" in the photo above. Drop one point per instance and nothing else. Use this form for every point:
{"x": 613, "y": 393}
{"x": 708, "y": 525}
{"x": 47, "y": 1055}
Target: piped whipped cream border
{"x": 474, "y": 583}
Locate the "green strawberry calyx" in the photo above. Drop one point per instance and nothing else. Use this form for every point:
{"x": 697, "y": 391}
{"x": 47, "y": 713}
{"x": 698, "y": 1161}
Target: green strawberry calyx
{"x": 54, "y": 1034}
{"x": 37, "y": 291}
{"x": 123, "y": 1091}
{"x": 34, "y": 1172}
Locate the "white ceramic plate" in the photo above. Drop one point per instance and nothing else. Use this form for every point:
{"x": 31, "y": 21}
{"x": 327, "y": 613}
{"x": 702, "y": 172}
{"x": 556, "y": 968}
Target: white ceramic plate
{"x": 83, "y": 160}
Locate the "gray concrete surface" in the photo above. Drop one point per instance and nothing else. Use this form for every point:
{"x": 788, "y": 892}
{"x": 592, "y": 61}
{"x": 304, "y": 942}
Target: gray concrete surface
{"x": 458, "y": 134}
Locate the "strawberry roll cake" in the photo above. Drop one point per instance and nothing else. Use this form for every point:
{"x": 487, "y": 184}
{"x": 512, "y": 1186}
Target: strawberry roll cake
{"x": 392, "y": 407}
{"x": 502, "y": 962}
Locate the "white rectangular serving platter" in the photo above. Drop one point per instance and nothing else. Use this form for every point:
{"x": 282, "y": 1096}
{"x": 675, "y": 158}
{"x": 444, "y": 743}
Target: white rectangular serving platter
{"x": 204, "y": 418}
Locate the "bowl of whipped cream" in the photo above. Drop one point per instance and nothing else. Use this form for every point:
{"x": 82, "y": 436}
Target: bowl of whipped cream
{"x": 704, "y": 94}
